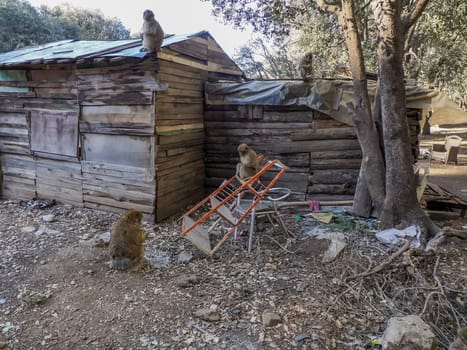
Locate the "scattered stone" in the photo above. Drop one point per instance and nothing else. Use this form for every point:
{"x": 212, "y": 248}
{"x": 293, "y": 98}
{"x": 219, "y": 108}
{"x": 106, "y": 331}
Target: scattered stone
{"x": 184, "y": 257}
{"x": 301, "y": 337}
{"x": 148, "y": 342}
{"x": 270, "y": 319}
{"x": 99, "y": 241}
{"x": 28, "y": 229}
{"x": 2, "y": 301}
{"x": 41, "y": 230}
{"x": 337, "y": 245}
{"x": 408, "y": 332}
{"x": 45, "y": 230}
{"x": 37, "y": 203}
{"x": 317, "y": 231}
{"x": 102, "y": 240}
{"x": 3, "y": 345}
{"x": 210, "y": 315}
{"x": 185, "y": 281}
{"x": 158, "y": 259}
{"x": 48, "y": 218}
{"x": 33, "y": 298}
{"x": 7, "y": 327}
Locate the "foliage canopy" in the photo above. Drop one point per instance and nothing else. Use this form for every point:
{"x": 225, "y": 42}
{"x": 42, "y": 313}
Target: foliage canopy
{"x": 23, "y": 25}
{"x": 434, "y": 50}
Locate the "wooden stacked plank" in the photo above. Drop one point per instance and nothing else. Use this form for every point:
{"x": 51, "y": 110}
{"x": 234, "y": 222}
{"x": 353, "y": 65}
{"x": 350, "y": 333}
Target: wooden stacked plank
{"x": 51, "y": 92}
{"x": 117, "y": 138}
{"x": 19, "y": 176}
{"x": 124, "y": 87}
{"x": 115, "y": 187}
{"x": 264, "y": 129}
{"x": 14, "y": 132}
{"x": 323, "y": 155}
{"x": 180, "y": 138}
{"x": 219, "y": 62}
{"x": 54, "y": 113}
{"x": 59, "y": 180}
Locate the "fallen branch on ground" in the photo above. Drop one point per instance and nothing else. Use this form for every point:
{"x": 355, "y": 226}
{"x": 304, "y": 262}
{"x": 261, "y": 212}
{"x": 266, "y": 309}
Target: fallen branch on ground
{"x": 383, "y": 265}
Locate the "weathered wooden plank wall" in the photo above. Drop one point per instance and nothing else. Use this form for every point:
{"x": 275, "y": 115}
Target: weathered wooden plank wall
{"x": 52, "y": 92}
{"x": 323, "y": 155}
{"x": 180, "y": 137}
{"x": 117, "y": 125}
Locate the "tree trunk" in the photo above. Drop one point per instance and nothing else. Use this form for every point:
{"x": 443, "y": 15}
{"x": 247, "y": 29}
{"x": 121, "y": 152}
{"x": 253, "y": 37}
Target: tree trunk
{"x": 362, "y": 203}
{"x": 401, "y": 206}
{"x": 367, "y": 133}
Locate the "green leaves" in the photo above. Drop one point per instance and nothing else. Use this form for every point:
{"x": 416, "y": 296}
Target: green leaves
{"x": 23, "y": 25}
{"x": 435, "y": 50}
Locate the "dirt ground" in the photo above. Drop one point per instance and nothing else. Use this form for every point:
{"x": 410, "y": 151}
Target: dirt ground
{"x": 57, "y": 292}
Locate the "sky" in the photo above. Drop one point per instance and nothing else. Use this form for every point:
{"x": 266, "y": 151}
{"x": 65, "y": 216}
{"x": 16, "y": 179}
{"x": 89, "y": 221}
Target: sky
{"x": 175, "y": 17}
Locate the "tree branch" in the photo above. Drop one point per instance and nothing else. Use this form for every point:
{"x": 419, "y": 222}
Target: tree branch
{"x": 415, "y": 14}
{"x": 332, "y": 7}
{"x": 383, "y": 265}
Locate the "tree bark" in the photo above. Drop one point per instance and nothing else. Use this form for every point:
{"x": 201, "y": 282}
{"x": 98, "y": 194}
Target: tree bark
{"x": 367, "y": 133}
{"x": 401, "y": 206}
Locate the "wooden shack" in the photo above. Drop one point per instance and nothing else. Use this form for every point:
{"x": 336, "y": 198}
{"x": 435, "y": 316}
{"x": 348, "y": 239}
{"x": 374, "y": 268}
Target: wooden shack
{"x": 306, "y": 125}
{"x": 102, "y": 125}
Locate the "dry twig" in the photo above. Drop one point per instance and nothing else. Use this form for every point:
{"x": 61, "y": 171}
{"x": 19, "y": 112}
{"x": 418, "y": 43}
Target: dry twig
{"x": 383, "y": 265}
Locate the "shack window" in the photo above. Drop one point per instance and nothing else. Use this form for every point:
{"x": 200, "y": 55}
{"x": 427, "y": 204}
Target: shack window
{"x": 54, "y": 132}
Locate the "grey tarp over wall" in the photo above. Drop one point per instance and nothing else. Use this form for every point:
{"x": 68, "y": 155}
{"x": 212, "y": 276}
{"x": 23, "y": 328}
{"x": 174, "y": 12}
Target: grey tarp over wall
{"x": 331, "y": 97}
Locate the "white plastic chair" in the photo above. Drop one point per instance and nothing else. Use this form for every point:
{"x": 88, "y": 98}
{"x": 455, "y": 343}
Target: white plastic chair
{"x": 446, "y": 152}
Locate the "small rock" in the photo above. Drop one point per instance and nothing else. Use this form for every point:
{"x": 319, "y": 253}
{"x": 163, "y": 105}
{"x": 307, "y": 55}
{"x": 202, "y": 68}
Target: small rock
{"x": 102, "y": 240}
{"x": 301, "y": 337}
{"x": 48, "y": 218}
{"x": 270, "y": 319}
{"x": 210, "y": 315}
{"x": 150, "y": 342}
{"x": 32, "y": 297}
{"x": 337, "y": 245}
{"x": 41, "y": 230}
{"x": 408, "y": 332}
{"x": 28, "y": 229}
{"x": 3, "y": 345}
{"x": 185, "y": 281}
{"x": 184, "y": 257}
{"x": 158, "y": 259}
{"x": 2, "y": 301}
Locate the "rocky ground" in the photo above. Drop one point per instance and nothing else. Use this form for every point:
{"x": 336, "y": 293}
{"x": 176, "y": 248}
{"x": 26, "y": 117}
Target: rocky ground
{"x": 57, "y": 292}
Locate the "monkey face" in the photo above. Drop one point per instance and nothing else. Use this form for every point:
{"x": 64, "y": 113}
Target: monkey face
{"x": 134, "y": 215}
{"x": 243, "y": 149}
{"x": 148, "y": 14}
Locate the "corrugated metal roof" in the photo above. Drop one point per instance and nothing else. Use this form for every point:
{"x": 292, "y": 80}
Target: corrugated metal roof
{"x": 9, "y": 56}
{"x": 77, "y": 49}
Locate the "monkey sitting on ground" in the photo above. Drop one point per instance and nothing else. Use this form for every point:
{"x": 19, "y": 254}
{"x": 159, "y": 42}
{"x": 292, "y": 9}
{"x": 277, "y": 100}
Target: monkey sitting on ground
{"x": 126, "y": 247}
{"x": 151, "y": 33}
{"x": 461, "y": 342}
{"x": 249, "y": 164}
{"x": 306, "y": 67}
